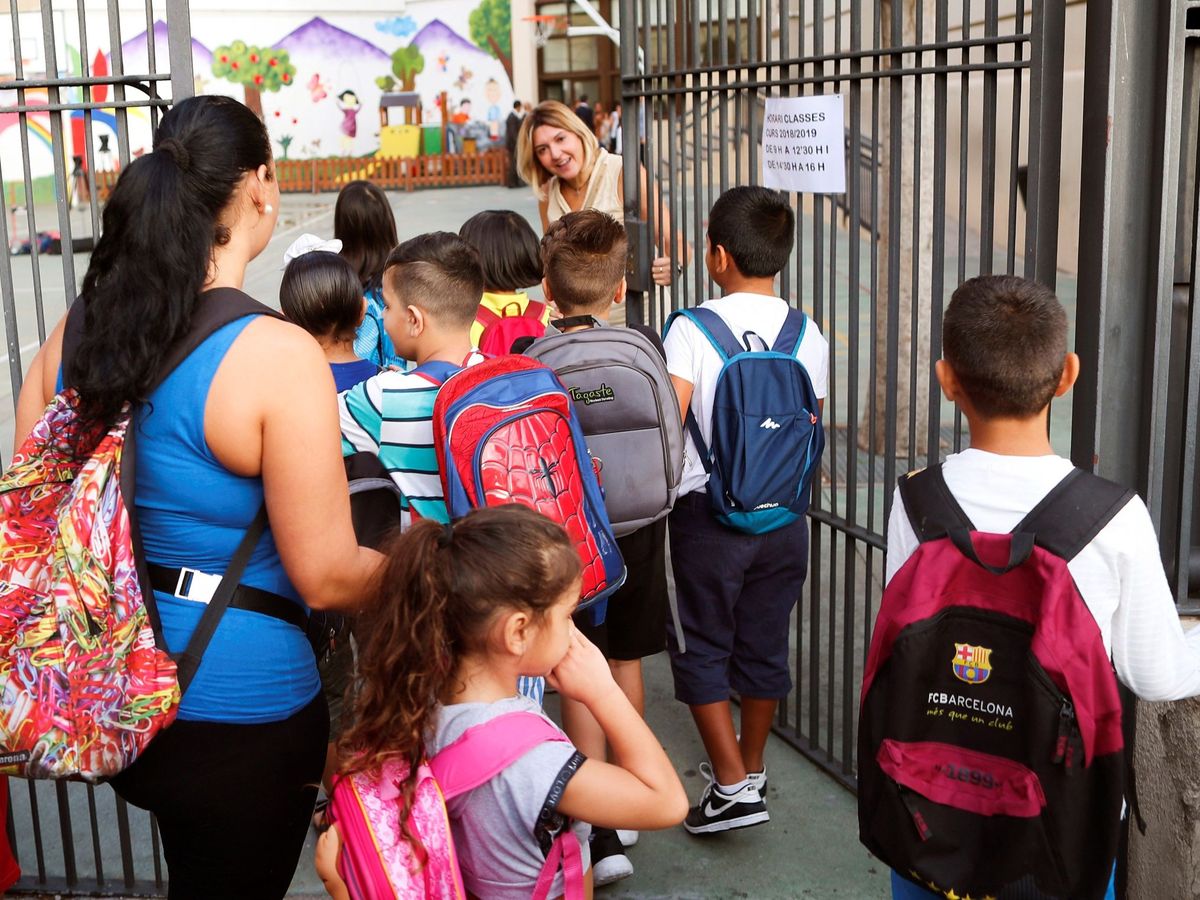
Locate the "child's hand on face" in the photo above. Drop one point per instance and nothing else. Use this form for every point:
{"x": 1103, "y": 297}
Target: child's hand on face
{"x": 583, "y": 674}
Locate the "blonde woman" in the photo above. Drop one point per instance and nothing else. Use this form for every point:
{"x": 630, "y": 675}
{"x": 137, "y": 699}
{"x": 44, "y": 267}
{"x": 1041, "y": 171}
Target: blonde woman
{"x": 560, "y": 157}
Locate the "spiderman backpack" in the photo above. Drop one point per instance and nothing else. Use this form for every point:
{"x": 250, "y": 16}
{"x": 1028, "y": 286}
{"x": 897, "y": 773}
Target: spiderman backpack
{"x": 505, "y": 432}
{"x": 990, "y": 743}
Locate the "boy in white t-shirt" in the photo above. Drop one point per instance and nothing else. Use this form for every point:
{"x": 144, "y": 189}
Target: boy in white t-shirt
{"x": 1004, "y": 345}
{"x": 735, "y": 590}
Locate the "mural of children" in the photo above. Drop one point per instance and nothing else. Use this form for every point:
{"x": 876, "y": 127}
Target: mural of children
{"x": 491, "y": 91}
{"x": 350, "y": 106}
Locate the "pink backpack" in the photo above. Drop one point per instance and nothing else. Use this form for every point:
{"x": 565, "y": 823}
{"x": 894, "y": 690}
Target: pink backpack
{"x": 501, "y": 330}
{"x": 377, "y": 862}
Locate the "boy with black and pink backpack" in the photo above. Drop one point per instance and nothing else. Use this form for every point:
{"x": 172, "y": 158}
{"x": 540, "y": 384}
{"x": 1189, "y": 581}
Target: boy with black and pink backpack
{"x": 991, "y": 756}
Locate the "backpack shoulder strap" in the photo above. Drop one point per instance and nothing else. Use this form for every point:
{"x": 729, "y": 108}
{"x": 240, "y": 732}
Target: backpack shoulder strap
{"x": 485, "y": 316}
{"x": 486, "y": 750}
{"x": 534, "y": 309}
{"x": 932, "y": 510}
{"x": 1074, "y": 512}
{"x": 435, "y": 371}
{"x": 713, "y": 327}
{"x": 791, "y": 333}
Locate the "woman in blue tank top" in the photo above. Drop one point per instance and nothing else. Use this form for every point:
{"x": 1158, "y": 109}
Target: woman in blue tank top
{"x": 248, "y": 417}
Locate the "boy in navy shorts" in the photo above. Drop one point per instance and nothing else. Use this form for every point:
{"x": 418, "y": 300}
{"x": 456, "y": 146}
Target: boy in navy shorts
{"x": 735, "y": 590}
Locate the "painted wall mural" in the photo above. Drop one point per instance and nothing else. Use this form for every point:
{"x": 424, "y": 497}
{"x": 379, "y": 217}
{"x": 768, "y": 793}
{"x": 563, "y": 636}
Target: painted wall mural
{"x": 315, "y": 80}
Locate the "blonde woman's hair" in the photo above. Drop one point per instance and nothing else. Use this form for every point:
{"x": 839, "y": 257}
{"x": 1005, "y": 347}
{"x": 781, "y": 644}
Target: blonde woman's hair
{"x": 556, "y": 115}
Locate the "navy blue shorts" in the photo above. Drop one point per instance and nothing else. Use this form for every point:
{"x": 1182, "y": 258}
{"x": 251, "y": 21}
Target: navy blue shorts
{"x": 736, "y": 593}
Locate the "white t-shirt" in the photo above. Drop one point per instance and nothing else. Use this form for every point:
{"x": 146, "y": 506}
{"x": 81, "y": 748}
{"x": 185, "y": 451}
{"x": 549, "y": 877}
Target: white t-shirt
{"x": 1119, "y": 574}
{"x": 691, "y": 357}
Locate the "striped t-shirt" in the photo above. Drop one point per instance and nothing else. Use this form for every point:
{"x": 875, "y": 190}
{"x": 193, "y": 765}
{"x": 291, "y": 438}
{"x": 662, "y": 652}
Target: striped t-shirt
{"x": 391, "y": 415}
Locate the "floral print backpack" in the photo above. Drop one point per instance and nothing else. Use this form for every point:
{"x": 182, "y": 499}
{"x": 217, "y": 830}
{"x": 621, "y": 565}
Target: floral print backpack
{"x": 86, "y": 681}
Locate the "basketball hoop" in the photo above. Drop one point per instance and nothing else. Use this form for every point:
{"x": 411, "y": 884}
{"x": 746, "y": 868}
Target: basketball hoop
{"x": 546, "y": 27}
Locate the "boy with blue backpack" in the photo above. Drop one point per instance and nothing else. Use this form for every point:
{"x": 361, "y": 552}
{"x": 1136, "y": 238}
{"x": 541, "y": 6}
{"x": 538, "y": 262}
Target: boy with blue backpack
{"x": 751, "y": 375}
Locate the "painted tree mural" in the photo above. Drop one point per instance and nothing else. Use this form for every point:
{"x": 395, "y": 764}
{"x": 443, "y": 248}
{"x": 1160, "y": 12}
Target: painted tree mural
{"x": 491, "y": 30}
{"x": 407, "y": 64}
{"x": 256, "y": 69}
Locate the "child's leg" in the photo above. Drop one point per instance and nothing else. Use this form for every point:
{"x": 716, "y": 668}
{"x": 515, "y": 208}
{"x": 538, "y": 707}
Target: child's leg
{"x": 583, "y": 729}
{"x": 709, "y": 562}
{"x": 759, "y": 669}
{"x": 758, "y": 715}
{"x": 714, "y": 721}
{"x": 627, "y": 673}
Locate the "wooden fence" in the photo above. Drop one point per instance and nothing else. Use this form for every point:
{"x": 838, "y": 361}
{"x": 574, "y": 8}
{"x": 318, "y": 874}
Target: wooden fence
{"x": 333, "y": 173}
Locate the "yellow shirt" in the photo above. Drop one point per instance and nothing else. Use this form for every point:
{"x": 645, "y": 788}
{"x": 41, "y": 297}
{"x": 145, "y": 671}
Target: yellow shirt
{"x": 497, "y": 304}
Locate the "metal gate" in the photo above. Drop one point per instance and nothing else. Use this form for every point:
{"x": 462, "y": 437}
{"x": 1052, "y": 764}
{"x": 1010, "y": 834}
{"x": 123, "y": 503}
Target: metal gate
{"x": 76, "y": 78}
{"x": 953, "y": 112}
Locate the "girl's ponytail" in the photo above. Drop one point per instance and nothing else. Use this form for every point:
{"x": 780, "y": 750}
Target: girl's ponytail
{"x": 436, "y": 599}
{"x": 152, "y": 259}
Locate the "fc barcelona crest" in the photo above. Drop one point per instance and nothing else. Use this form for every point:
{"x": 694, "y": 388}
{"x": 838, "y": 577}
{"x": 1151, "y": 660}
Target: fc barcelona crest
{"x": 972, "y": 664}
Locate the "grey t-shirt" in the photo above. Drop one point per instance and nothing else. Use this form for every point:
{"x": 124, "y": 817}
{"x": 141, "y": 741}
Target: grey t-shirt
{"x": 500, "y": 833}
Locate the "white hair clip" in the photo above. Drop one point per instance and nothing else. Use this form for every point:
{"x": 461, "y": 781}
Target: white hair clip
{"x": 307, "y": 243}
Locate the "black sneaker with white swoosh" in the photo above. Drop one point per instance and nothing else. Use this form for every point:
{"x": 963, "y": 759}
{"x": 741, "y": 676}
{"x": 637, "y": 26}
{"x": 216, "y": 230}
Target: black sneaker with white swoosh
{"x": 720, "y": 812}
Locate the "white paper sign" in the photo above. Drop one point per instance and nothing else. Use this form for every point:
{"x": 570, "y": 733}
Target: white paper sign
{"x": 804, "y": 145}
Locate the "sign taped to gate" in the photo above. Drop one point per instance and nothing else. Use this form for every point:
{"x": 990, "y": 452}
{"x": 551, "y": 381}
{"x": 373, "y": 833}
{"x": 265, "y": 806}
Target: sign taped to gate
{"x": 804, "y": 145}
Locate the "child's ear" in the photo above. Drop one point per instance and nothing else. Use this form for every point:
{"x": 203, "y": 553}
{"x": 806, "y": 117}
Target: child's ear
{"x": 546, "y": 290}
{"x": 516, "y": 632}
{"x": 362, "y": 313}
{"x": 722, "y": 261}
{"x": 951, "y": 389}
{"x": 1070, "y": 372}
{"x": 619, "y": 297}
{"x": 416, "y": 321}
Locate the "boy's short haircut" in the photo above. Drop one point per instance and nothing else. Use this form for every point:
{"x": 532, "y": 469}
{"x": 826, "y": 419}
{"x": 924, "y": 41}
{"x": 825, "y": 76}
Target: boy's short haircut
{"x": 583, "y": 255}
{"x": 439, "y": 272}
{"x": 1005, "y": 337}
{"x": 756, "y": 226}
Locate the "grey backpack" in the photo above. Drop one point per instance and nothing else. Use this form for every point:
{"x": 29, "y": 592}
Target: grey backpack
{"x": 630, "y": 415}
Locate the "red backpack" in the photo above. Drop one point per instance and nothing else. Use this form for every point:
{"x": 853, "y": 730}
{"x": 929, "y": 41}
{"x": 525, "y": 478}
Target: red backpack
{"x": 990, "y": 743}
{"x": 505, "y": 431}
{"x": 500, "y": 331}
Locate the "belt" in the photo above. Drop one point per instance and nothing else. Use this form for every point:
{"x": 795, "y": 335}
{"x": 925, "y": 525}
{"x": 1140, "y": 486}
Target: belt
{"x": 191, "y": 584}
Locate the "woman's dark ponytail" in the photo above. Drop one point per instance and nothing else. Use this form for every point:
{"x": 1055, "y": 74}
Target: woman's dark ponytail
{"x": 150, "y": 264}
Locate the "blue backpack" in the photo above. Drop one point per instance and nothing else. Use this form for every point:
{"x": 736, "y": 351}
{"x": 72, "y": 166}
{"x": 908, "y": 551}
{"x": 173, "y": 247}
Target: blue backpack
{"x": 767, "y": 435}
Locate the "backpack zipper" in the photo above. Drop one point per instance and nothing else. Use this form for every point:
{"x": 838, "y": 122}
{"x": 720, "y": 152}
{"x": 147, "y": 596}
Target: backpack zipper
{"x": 1063, "y": 752}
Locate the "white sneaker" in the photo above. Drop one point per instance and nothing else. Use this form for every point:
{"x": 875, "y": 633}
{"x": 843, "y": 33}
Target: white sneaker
{"x": 627, "y": 837}
{"x": 759, "y": 780}
{"x": 609, "y": 862}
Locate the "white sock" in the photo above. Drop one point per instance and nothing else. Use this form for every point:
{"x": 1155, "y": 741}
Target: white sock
{"x": 730, "y": 789}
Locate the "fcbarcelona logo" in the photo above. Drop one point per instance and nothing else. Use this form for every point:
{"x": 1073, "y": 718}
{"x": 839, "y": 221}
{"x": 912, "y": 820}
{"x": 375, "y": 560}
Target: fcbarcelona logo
{"x": 972, "y": 664}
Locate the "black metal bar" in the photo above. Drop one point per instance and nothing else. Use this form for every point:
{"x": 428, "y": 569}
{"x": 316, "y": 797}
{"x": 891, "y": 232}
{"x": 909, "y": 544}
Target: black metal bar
{"x": 880, "y": 75}
{"x": 1045, "y": 143}
{"x": 816, "y": 59}
{"x": 71, "y": 107}
{"x": 937, "y": 287}
{"x": 133, "y": 81}
{"x": 126, "y": 842}
{"x": 987, "y": 170}
{"x": 67, "y": 832}
{"x": 94, "y": 822}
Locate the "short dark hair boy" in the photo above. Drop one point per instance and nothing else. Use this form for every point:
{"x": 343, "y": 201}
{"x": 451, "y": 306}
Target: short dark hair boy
{"x": 1006, "y": 340}
{"x": 756, "y": 227}
{"x": 583, "y": 260}
{"x": 439, "y": 272}
{"x": 1005, "y": 358}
